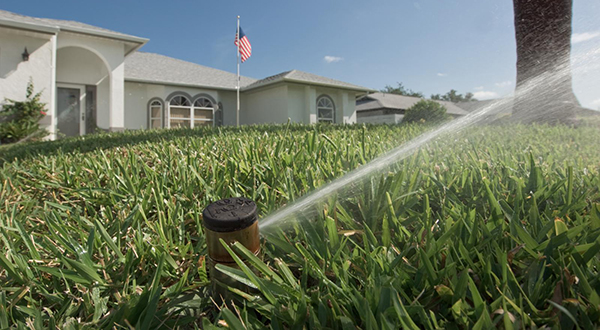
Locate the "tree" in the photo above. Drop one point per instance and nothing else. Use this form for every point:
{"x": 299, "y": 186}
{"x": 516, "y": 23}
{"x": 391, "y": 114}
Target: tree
{"x": 453, "y": 96}
{"x": 425, "y": 111}
{"x": 544, "y": 91}
{"x": 469, "y": 97}
{"x": 401, "y": 90}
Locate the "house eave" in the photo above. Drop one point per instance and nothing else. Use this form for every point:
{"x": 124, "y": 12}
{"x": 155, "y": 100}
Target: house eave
{"x": 379, "y": 108}
{"x": 365, "y": 90}
{"x": 303, "y": 82}
{"x": 170, "y": 83}
{"x": 29, "y": 26}
{"x": 108, "y": 35}
{"x": 52, "y": 29}
{"x": 134, "y": 49}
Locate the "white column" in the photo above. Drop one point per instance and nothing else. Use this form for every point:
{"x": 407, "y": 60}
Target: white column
{"x": 351, "y": 108}
{"x": 340, "y": 109}
{"x": 117, "y": 98}
{"x": 347, "y": 108}
{"x": 310, "y": 99}
{"x": 52, "y": 106}
{"x": 343, "y": 116}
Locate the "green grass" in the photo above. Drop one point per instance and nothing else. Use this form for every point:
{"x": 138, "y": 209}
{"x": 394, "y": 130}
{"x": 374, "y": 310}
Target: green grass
{"x": 497, "y": 227}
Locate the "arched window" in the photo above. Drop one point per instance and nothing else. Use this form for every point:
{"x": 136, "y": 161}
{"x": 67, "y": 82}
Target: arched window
{"x": 180, "y": 112}
{"x": 325, "y": 109}
{"x": 155, "y": 114}
{"x": 204, "y": 112}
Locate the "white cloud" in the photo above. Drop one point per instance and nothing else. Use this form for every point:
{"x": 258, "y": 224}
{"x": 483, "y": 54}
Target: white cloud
{"x": 595, "y": 104}
{"x": 581, "y": 37}
{"x": 442, "y": 74}
{"x": 478, "y": 88}
{"x": 332, "y": 59}
{"x": 504, "y": 83}
{"x": 484, "y": 95}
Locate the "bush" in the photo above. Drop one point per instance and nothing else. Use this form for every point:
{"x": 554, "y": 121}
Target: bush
{"x": 425, "y": 111}
{"x": 20, "y": 120}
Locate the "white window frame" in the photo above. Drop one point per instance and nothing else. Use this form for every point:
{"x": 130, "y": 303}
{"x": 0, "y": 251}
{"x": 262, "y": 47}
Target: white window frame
{"x": 332, "y": 108}
{"x": 212, "y": 109}
{"x": 161, "y": 113}
{"x": 191, "y": 118}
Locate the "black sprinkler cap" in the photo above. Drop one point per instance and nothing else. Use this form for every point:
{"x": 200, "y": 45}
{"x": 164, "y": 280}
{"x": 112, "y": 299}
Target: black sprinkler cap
{"x": 230, "y": 214}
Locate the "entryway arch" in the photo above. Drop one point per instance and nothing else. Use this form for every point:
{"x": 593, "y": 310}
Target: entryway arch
{"x": 82, "y": 91}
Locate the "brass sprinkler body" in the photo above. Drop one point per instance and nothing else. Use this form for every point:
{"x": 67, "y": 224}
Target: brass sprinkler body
{"x": 230, "y": 219}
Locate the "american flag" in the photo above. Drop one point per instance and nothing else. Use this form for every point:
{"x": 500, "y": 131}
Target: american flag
{"x": 245, "y": 47}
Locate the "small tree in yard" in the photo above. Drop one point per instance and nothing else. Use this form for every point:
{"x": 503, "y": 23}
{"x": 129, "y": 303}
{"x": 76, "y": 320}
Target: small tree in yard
{"x": 20, "y": 120}
{"x": 425, "y": 111}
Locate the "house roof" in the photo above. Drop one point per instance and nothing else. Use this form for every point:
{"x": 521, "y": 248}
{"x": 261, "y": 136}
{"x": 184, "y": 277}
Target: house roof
{"x": 8, "y": 18}
{"x": 305, "y": 78}
{"x": 452, "y": 109}
{"x": 155, "y": 68}
{"x": 395, "y": 101}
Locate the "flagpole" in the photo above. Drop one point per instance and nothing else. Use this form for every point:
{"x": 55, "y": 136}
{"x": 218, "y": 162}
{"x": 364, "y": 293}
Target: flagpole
{"x": 237, "y": 37}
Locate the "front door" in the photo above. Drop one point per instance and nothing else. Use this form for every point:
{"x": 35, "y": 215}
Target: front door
{"x": 70, "y": 109}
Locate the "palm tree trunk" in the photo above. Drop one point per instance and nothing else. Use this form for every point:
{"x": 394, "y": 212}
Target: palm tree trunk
{"x": 544, "y": 91}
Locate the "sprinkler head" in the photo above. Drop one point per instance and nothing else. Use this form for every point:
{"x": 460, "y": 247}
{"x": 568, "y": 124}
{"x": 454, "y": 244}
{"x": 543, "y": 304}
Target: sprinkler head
{"x": 231, "y": 219}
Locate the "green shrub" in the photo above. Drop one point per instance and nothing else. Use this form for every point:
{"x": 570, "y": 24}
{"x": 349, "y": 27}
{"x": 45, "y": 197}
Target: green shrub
{"x": 20, "y": 120}
{"x": 425, "y": 111}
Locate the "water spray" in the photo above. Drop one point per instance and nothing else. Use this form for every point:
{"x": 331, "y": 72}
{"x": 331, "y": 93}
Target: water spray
{"x": 232, "y": 220}
{"x": 304, "y": 207}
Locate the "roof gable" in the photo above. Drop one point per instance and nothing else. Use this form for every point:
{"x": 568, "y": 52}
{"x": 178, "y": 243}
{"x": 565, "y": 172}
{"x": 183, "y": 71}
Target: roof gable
{"x": 306, "y": 78}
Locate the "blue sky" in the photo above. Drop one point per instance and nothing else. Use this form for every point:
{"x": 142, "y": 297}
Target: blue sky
{"x": 429, "y": 46}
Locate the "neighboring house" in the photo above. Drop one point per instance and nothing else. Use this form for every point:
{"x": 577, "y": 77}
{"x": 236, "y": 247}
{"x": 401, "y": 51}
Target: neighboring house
{"x": 92, "y": 78}
{"x": 378, "y": 108}
{"x": 383, "y": 108}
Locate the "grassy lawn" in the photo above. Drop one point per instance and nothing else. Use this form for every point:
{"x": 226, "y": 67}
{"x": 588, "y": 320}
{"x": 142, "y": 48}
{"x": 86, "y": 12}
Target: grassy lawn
{"x": 495, "y": 227}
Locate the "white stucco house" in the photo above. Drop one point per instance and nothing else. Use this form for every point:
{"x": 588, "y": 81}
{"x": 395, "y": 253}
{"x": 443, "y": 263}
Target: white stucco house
{"x": 92, "y": 78}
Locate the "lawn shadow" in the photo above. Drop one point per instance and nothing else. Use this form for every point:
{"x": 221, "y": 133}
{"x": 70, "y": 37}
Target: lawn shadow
{"x": 102, "y": 141}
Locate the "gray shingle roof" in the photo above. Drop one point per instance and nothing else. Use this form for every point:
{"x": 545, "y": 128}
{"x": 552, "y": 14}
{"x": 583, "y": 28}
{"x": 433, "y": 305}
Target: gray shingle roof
{"x": 149, "y": 67}
{"x": 66, "y": 26}
{"x": 307, "y": 78}
{"x": 395, "y": 101}
{"x": 384, "y": 100}
{"x": 452, "y": 109}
